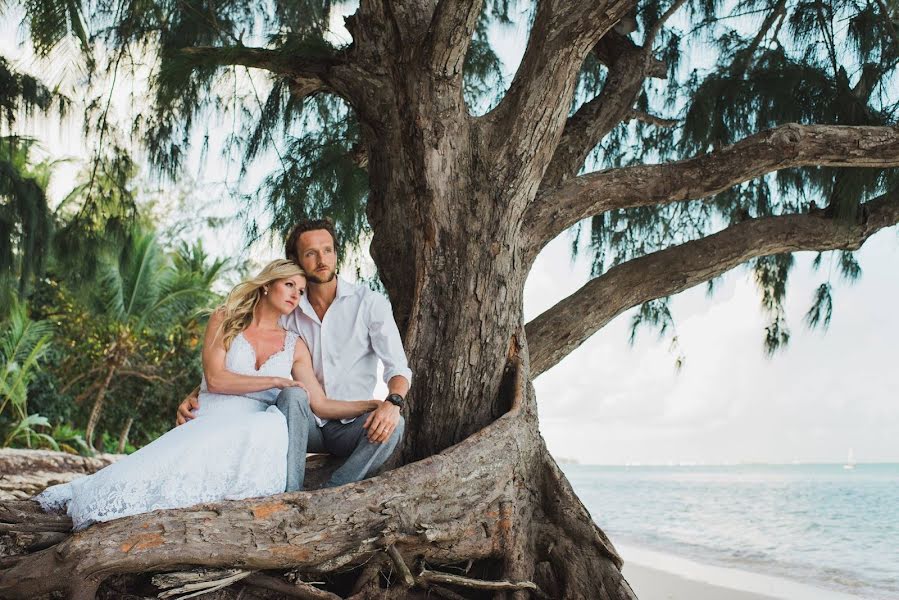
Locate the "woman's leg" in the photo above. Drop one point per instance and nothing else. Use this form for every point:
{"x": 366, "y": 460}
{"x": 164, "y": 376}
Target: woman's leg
{"x": 303, "y": 434}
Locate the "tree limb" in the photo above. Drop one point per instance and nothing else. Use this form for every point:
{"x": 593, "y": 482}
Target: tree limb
{"x": 558, "y": 331}
{"x": 308, "y": 74}
{"x": 629, "y": 65}
{"x": 554, "y": 211}
{"x": 528, "y": 122}
{"x": 449, "y": 35}
{"x": 639, "y": 115}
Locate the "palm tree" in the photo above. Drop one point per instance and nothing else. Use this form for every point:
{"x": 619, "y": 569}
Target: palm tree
{"x": 192, "y": 273}
{"x": 23, "y": 343}
{"x": 144, "y": 291}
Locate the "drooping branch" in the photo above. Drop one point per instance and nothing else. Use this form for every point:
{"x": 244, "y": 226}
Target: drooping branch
{"x": 558, "y": 331}
{"x": 782, "y": 147}
{"x": 449, "y": 35}
{"x": 776, "y": 13}
{"x": 529, "y": 120}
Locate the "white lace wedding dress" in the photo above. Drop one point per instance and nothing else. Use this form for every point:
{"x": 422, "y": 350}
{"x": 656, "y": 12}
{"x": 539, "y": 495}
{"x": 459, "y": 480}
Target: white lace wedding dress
{"x": 235, "y": 448}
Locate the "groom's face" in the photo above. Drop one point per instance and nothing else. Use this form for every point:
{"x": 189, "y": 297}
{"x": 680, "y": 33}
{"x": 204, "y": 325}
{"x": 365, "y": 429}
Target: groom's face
{"x": 317, "y": 255}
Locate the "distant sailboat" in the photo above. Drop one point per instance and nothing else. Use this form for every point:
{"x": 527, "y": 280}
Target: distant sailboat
{"x": 850, "y": 460}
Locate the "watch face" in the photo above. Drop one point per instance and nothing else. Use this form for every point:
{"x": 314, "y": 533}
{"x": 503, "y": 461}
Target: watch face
{"x": 395, "y": 399}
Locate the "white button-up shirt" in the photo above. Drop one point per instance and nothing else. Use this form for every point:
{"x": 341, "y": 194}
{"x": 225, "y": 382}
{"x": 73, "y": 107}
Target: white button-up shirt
{"x": 358, "y": 329}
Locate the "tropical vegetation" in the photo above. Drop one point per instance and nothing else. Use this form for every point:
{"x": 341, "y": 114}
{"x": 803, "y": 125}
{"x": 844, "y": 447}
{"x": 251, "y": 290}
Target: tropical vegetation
{"x": 103, "y": 321}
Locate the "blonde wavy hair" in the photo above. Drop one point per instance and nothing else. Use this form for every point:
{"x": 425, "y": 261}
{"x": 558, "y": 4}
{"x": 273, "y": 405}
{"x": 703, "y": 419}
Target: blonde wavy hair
{"x": 241, "y": 303}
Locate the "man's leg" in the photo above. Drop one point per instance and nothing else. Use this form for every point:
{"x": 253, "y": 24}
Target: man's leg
{"x": 303, "y": 434}
{"x": 351, "y": 440}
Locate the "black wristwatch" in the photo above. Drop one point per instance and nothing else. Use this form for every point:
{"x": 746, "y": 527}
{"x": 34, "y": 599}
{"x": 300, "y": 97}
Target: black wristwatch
{"x": 395, "y": 399}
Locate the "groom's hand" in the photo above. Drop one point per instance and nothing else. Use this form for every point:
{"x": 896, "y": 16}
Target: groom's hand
{"x": 381, "y": 422}
{"x": 189, "y": 404}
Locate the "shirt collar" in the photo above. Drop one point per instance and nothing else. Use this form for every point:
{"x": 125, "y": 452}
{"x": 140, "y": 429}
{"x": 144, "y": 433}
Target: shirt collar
{"x": 344, "y": 288}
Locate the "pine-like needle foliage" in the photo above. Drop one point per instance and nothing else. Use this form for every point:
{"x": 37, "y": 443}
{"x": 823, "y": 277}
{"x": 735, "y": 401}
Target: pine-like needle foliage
{"x": 733, "y": 68}
{"x": 775, "y": 62}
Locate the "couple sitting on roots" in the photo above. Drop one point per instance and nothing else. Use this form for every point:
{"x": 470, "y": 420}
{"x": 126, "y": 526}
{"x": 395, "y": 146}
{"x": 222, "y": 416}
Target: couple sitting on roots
{"x": 286, "y": 360}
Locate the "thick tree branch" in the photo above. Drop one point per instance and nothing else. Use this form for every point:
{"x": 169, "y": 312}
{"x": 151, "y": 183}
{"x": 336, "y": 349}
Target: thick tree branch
{"x": 308, "y": 74}
{"x": 629, "y": 65}
{"x": 558, "y": 331}
{"x": 783, "y": 147}
{"x": 528, "y": 122}
{"x": 450, "y": 34}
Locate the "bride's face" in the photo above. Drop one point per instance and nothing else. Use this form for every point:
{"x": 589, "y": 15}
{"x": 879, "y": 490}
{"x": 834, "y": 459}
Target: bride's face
{"x": 284, "y": 294}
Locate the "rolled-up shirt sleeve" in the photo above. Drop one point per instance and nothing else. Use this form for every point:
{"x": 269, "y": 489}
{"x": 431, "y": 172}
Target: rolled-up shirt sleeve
{"x": 386, "y": 341}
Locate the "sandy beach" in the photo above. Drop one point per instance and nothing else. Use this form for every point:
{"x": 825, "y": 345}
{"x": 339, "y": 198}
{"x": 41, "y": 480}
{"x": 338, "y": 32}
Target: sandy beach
{"x": 653, "y": 584}
{"x": 660, "y": 576}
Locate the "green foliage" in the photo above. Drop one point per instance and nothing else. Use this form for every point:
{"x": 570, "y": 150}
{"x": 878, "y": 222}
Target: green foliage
{"x": 752, "y": 64}
{"x": 816, "y": 62}
{"x": 25, "y": 219}
{"x": 146, "y": 319}
{"x": 25, "y": 433}
{"x": 23, "y": 343}
{"x": 318, "y": 177}
{"x": 23, "y": 95}
{"x": 822, "y": 307}
{"x": 771, "y": 273}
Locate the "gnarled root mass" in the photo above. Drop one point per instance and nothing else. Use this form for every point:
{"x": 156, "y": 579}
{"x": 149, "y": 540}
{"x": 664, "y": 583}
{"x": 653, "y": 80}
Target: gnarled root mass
{"x": 496, "y": 501}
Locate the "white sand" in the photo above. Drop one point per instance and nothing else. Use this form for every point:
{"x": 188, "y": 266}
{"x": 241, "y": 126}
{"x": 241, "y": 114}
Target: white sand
{"x": 659, "y": 576}
{"x": 652, "y": 584}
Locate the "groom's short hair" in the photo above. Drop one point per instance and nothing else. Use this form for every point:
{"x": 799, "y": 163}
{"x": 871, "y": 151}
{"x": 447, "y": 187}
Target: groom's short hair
{"x": 290, "y": 246}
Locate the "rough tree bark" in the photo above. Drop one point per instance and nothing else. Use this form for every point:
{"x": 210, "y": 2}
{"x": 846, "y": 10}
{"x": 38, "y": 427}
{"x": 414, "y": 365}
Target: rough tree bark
{"x": 459, "y": 207}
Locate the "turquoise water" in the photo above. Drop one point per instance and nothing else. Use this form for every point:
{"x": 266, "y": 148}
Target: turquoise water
{"x": 817, "y": 524}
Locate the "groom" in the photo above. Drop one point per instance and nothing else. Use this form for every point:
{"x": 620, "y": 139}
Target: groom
{"x": 347, "y": 328}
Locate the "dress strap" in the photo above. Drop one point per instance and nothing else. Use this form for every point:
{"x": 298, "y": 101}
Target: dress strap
{"x": 290, "y": 342}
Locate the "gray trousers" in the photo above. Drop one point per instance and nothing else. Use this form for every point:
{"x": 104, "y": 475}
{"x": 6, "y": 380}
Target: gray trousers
{"x": 341, "y": 439}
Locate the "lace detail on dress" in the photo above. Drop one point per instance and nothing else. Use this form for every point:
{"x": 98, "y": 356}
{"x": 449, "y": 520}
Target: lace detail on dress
{"x": 235, "y": 448}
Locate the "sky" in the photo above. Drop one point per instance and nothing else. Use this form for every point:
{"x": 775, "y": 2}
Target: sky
{"x": 612, "y": 403}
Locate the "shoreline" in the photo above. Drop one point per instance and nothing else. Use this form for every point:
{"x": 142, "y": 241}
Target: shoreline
{"x": 655, "y": 575}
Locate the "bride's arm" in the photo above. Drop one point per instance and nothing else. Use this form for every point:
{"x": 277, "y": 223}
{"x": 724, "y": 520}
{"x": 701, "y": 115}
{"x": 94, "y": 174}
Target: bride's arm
{"x": 220, "y": 380}
{"x": 324, "y": 407}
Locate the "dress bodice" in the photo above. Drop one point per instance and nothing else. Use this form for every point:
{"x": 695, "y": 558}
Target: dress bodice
{"x": 241, "y": 359}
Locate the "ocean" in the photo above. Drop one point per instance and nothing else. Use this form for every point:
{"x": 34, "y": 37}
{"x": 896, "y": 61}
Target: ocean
{"x": 819, "y": 524}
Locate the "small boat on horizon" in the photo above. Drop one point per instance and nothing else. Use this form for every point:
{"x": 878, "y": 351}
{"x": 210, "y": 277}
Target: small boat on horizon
{"x": 850, "y": 461}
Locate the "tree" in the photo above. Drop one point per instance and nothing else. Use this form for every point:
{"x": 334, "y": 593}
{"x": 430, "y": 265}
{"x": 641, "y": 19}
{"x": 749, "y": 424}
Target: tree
{"x": 797, "y": 112}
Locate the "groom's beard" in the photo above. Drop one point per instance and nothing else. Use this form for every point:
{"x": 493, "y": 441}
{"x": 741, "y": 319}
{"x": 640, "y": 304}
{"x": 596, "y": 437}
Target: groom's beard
{"x": 314, "y": 278}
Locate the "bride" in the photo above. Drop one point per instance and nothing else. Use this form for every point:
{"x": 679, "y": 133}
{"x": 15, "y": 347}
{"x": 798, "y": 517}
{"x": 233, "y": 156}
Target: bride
{"x": 237, "y": 446}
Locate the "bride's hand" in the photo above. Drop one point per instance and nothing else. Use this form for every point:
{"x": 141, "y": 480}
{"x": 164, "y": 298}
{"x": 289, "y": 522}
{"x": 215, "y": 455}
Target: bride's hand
{"x": 283, "y": 382}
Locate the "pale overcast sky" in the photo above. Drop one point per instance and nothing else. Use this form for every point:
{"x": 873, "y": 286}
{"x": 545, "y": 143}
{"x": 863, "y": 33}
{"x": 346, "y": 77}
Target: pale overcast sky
{"x": 611, "y": 403}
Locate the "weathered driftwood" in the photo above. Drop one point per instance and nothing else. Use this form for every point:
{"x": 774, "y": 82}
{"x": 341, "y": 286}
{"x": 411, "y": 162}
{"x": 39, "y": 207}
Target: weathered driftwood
{"x": 471, "y": 502}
